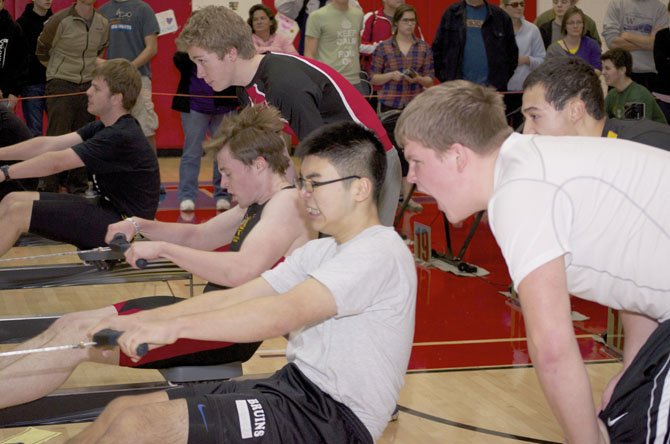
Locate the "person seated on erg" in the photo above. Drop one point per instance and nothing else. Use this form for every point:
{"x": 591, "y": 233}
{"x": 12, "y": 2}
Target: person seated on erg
{"x": 626, "y": 98}
{"x": 347, "y": 303}
{"x": 564, "y": 97}
{"x": 264, "y": 31}
{"x": 575, "y": 42}
{"x": 122, "y": 166}
{"x": 403, "y": 66}
{"x": 267, "y": 224}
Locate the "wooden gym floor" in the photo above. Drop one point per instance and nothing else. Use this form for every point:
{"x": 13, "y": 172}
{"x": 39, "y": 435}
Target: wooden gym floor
{"x": 470, "y": 379}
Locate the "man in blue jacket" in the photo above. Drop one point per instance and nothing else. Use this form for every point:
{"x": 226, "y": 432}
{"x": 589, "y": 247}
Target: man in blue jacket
{"x": 475, "y": 41}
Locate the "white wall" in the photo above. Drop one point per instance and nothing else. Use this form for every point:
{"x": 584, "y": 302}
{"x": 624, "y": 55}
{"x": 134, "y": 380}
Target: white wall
{"x": 593, "y": 8}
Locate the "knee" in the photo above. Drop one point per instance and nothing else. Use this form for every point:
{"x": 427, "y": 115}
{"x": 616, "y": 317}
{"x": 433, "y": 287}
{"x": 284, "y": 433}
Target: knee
{"x": 15, "y": 206}
{"x": 128, "y": 421}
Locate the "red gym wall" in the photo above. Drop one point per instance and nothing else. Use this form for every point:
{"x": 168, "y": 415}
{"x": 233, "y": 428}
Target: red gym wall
{"x": 165, "y": 76}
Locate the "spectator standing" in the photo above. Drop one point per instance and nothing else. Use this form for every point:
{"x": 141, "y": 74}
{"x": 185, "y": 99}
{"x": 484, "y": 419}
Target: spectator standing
{"x": 549, "y": 23}
{"x": 531, "y": 55}
{"x": 333, "y": 37}
{"x": 377, "y": 27}
{"x": 264, "y": 31}
{"x": 475, "y": 41}
{"x": 403, "y": 65}
{"x": 134, "y": 37}
{"x": 575, "y": 42}
{"x": 13, "y": 58}
{"x": 32, "y": 22}
{"x": 200, "y": 116}
{"x": 626, "y": 98}
{"x": 662, "y": 62}
{"x": 632, "y": 25}
{"x": 68, "y": 46}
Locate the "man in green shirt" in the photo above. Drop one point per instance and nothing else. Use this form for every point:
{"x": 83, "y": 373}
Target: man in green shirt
{"x": 627, "y": 99}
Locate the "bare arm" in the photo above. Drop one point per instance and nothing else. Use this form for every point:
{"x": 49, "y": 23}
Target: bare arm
{"x": 45, "y": 165}
{"x": 149, "y": 51}
{"x": 208, "y": 236}
{"x": 311, "y": 46}
{"x": 38, "y": 145}
{"x": 637, "y": 328}
{"x": 552, "y": 345}
{"x": 262, "y": 248}
{"x": 255, "y": 319}
{"x": 380, "y": 79}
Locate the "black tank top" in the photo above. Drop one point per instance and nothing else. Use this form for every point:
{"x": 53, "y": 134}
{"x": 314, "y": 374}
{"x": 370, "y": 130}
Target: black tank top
{"x": 251, "y": 217}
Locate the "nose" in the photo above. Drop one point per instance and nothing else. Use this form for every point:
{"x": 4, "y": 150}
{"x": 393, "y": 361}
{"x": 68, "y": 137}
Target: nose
{"x": 89, "y": 91}
{"x": 528, "y": 127}
{"x": 411, "y": 174}
{"x": 224, "y": 181}
{"x": 200, "y": 72}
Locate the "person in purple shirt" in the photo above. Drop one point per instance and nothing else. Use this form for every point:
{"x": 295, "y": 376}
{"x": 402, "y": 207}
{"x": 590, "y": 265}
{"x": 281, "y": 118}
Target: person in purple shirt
{"x": 574, "y": 42}
{"x": 200, "y": 116}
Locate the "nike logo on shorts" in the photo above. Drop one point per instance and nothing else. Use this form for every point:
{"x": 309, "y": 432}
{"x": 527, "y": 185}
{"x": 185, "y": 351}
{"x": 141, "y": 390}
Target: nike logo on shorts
{"x": 611, "y": 422}
{"x": 201, "y": 409}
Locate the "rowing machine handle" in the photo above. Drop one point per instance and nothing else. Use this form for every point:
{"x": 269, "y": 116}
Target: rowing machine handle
{"x": 120, "y": 243}
{"x": 109, "y": 337}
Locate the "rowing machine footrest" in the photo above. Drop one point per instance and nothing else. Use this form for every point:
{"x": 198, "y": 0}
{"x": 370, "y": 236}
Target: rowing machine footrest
{"x": 202, "y": 373}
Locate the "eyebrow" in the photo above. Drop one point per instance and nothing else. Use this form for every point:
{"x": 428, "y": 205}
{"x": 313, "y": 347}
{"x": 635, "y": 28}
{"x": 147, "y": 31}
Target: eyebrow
{"x": 311, "y": 176}
{"x": 530, "y": 108}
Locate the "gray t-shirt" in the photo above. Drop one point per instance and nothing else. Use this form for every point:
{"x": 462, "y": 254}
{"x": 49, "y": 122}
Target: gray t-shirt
{"x": 130, "y": 21}
{"x": 359, "y": 356}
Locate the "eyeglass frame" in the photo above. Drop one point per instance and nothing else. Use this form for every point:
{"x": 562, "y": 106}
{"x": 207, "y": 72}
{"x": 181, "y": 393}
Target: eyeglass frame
{"x": 516, "y": 4}
{"x": 301, "y": 181}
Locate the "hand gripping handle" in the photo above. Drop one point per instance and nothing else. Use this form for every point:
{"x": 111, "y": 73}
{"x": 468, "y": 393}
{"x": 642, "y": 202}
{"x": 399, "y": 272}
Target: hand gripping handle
{"x": 120, "y": 243}
{"x": 109, "y": 337}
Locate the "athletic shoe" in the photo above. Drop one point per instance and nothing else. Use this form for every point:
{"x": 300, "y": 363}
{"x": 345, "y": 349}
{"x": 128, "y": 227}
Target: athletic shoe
{"x": 187, "y": 205}
{"x": 222, "y": 204}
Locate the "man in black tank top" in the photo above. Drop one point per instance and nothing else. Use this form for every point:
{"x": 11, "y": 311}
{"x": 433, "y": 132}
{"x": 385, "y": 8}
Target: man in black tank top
{"x": 265, "y": 226}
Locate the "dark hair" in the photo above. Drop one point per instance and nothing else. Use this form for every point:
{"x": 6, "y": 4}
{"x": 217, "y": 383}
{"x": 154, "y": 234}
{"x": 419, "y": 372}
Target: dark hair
{"x": 620, "y": 58}
{"x": 564, "y": 78}
{"x": 269, "y": 12}
{"x": 572, "y": 10}
{"x": 351, "y": 148}
{"x": 399, "y": 12}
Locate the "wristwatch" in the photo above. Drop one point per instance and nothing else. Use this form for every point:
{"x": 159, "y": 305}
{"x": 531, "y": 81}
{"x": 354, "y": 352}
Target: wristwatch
{"x": 5, "y": 171}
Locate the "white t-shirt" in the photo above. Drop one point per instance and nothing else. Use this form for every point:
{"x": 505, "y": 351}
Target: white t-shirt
{"x": 602, "y": 203}
{"x": 359, "y": 356}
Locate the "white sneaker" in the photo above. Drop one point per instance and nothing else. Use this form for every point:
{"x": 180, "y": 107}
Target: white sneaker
{"x": 222, "y": 205}
{"x": 186, "y": 205}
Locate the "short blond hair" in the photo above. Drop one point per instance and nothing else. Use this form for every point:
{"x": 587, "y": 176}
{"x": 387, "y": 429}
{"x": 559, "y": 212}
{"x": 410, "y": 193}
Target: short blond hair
{"x": 455, "y": 112}
{"x": 255, "y": 131}
{"x": 121, "y": 78}
{"x": 217, "y": 29}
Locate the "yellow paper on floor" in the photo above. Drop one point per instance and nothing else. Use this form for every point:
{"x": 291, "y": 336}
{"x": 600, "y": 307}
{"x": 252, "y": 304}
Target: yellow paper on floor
{"x": 31, "y": 436}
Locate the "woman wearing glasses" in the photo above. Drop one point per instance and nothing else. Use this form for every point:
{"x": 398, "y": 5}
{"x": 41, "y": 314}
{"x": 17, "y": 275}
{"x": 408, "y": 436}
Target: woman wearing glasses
{"x": 403, "y": 66}
{"x": 549, "y": 23}
{"x": 574, "y": 42}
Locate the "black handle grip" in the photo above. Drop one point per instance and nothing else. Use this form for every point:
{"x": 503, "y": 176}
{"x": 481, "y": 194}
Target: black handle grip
{"x": 120, "y": 243}
{"x": 108, "y": 337}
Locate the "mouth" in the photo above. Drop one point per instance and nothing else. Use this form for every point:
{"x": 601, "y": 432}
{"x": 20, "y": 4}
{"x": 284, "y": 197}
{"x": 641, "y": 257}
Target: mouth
{"x": 313, "y": 211}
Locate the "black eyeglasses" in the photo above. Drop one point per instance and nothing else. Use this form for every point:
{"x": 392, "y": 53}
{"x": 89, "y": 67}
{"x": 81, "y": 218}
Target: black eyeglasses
{"x": 309, "y": 185}
{"x": 516, "y": 4}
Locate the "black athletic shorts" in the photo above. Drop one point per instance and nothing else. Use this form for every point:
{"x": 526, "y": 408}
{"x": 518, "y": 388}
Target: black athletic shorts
{"x": 184, "y": 352}
{"x": 284, "y": 408}
{"x": 638, "y": 410}
{"x": 73, "y": 219}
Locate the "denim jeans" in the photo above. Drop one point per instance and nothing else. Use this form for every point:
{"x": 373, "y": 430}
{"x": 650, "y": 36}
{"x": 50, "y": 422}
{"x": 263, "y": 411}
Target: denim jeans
{"x": 196, "y": 126}
{"x": 33, "y": 109}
